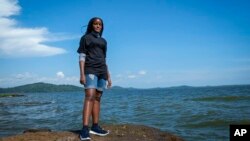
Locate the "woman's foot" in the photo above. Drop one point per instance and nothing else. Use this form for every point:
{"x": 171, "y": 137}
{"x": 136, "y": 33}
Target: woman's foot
{"x": 84, "y": 134}
{"x": 97, "y": 130}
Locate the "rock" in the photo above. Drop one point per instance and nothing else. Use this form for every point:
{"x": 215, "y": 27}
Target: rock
{"x": 117, "y": 133}
{"x": 36, "y": 130}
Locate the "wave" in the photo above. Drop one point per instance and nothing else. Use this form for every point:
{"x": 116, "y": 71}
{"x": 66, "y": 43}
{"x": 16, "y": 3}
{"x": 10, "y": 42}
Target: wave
{"x": 216, "y": 123}
{"x": 222, "y": 98}
{"x": 33, "y": 103}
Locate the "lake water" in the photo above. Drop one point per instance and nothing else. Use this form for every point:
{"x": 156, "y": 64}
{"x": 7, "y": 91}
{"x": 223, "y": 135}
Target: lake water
{"x": 201, "y": 113}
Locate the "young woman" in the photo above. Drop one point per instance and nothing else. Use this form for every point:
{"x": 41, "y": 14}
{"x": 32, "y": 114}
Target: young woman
{"x": 93, "y": 75}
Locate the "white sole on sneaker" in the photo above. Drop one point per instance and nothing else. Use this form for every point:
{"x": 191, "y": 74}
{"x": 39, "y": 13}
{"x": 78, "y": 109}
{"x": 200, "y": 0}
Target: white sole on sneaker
{"x": 94, "y": 133}
{"x": 84, "y": 139}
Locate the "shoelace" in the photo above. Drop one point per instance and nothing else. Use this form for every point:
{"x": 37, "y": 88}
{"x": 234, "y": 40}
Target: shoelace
{"x": 100, "y": 129}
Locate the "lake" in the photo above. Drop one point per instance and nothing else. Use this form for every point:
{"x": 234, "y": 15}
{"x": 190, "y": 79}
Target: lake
{"x": 193, "y": 113}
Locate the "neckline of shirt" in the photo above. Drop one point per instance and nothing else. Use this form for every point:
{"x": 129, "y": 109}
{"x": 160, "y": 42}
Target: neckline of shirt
{"x": 96, "y": 34}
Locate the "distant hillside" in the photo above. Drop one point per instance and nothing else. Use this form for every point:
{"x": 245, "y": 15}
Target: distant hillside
{"x": 46, "y": 87}
{"x": 41, "y": 87}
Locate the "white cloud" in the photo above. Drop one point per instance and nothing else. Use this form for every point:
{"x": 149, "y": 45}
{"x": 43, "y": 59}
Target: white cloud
{"x": 28, "y": 78}
{"x": 194, "y": 77}
{"x": 60, "y": 74}
{"x": 24, "y": 75}
{"x": 132, "y": 76}
{"x": 16, "y": 41}
{"x": 154, "y": 79}
{"x": 123, "y": 77}
{"x": 118, "y": 75}
{"x": 9, "y": 7}
{"x": 137, "y": 75}
{"x": 142, "y": 72}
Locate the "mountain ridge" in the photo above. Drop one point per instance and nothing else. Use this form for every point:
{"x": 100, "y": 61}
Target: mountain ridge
{"x": 41, "y": 87}
{"x": 47, "y": 87}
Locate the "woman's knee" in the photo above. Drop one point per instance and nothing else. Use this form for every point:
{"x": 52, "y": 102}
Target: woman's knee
{"x": 98, "y": 95}
{"x": 90, "y": 94}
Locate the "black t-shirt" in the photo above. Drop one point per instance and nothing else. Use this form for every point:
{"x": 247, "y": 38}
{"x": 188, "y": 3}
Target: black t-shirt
{"x": 95, "y": 48}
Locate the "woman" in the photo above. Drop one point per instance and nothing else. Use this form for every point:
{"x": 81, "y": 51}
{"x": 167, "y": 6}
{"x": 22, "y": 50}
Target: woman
{"x": 93, "y": 75}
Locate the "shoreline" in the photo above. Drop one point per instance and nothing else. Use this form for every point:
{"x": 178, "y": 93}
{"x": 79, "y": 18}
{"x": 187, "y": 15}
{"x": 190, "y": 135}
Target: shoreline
{"x": 122, "y": 132}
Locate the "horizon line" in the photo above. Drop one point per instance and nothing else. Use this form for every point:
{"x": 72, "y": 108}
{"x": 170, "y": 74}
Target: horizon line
{"x": 223, "y": 85}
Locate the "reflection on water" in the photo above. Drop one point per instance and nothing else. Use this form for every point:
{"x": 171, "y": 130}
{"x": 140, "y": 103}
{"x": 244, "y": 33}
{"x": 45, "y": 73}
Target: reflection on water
{"x": 192, "y": 113}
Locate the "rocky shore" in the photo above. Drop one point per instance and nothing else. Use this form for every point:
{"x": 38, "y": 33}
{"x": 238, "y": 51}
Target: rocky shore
{"x": 117, "y": 133}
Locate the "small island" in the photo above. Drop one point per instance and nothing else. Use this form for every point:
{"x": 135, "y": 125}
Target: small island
{"x": 10, "y": 95}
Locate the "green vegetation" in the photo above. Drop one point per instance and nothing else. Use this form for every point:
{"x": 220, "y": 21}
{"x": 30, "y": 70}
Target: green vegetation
{"x": 10, "y": 95}
{"x": 41, "y": 87}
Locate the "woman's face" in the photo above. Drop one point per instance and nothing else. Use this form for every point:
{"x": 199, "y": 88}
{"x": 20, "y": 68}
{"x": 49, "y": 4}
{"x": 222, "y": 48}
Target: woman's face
{"x": 97, "y": 25}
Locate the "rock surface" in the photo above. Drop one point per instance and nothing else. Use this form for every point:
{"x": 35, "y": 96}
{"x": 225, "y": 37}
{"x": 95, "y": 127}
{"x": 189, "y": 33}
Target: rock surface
{"x": 117, "y": 133}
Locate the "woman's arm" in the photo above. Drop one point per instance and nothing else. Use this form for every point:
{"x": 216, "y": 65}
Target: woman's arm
{"x": 81, "y": 65}
{"x": 109, "y": 78}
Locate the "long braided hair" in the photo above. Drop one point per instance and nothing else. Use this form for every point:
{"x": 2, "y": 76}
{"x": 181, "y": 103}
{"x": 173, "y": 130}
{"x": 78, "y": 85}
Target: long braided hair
{"x": 90, "y": 25}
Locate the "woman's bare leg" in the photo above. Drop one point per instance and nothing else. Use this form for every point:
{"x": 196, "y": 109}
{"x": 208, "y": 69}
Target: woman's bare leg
{"x": 89, "y": 100}
{"x": 96, "y": 107}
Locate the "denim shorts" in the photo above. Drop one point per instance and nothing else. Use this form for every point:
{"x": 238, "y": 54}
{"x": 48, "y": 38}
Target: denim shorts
{"x": 93, "y": 81}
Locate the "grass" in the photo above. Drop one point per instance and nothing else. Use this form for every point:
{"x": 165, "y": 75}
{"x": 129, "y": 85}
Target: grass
{"x": 9, "y": 95}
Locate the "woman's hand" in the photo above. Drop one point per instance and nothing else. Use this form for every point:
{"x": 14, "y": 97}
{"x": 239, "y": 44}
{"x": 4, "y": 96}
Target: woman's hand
{"x": 82, "y": 79}
{"x": 109, "y": 83}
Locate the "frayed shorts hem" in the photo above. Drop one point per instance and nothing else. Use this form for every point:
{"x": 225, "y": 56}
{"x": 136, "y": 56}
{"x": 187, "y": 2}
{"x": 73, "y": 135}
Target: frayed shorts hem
{"x": 94, "y": 82}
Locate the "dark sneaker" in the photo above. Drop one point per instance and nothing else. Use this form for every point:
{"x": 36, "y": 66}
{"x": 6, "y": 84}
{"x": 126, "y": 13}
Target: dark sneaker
{"x": 84, "y": 134}
{"x": 97, "y": 130}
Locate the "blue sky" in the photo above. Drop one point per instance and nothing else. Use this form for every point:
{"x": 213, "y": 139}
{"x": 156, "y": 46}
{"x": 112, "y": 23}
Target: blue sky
{"x": 153, "y": 43}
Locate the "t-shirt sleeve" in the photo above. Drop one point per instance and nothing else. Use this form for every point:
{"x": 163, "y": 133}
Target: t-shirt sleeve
{"x": 82, "y": 46}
